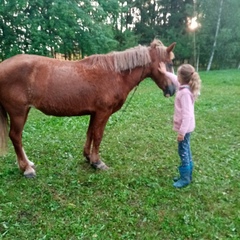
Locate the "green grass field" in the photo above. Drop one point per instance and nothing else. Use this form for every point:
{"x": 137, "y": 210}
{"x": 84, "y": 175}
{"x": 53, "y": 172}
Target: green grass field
{"x": 135, "y": 199}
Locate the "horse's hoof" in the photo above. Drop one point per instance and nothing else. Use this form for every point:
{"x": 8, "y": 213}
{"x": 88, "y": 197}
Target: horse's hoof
{"x": 30, "y": 173}
{"x": 100, "y": 165}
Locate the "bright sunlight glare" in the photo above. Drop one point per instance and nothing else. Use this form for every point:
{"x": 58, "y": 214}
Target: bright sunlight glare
{"x": 192, "y": 23}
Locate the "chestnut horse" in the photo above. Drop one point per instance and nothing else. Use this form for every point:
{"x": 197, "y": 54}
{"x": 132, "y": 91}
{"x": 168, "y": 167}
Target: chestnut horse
{"x": 97, "y": 86}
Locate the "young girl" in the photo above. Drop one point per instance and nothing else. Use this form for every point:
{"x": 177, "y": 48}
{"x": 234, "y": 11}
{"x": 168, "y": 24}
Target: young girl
{"x": 188, "y": 85}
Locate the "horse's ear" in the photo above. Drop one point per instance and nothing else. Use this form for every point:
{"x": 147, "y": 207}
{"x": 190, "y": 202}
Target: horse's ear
{"x": 171, "y": 47}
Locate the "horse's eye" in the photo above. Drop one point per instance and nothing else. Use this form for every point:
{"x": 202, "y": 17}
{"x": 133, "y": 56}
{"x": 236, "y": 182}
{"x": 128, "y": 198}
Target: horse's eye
{"x": 169, "y": 67}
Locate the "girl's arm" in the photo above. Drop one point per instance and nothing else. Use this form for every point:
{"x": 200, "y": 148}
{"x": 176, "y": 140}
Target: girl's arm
{"x": 173, "y": 77}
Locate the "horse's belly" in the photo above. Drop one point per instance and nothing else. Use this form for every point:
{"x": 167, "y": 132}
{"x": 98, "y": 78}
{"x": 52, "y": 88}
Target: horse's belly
{"x": 65, "y": 108}
{"x": 78, "y": 101}
{"x": 64, "y": 112}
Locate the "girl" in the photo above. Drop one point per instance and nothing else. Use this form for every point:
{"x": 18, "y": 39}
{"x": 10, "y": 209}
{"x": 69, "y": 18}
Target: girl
{"x": 188, "y": 85}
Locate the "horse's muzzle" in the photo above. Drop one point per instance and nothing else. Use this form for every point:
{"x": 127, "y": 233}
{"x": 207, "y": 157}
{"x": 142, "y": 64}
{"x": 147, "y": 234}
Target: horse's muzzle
{"x": 169, "y": 90}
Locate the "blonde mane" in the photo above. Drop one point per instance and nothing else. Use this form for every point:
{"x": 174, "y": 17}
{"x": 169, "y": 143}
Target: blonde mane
{"x": 128, "y": 59}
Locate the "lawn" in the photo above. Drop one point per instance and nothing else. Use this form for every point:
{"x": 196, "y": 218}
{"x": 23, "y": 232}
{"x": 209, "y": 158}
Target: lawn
{"x": 135, "y": 199}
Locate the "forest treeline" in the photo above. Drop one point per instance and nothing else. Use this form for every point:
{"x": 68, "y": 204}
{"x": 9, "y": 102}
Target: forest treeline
{"x": 74, "y": 28}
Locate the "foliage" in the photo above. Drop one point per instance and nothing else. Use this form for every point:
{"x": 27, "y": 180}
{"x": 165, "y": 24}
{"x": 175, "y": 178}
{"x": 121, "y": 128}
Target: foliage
{"x": 135, "y": 199}
{"x": 226, "y": 53}
{"x": 47, "y": 27}
{"x": 78, "y": 28}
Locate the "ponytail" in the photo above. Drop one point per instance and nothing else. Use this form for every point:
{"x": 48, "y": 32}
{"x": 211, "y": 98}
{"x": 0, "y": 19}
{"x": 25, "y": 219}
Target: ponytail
{"x": 195, "y": 85}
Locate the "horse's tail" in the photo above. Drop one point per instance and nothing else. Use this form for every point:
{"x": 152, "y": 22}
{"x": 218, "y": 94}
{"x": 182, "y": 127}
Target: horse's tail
{"x": 3, "y": 130}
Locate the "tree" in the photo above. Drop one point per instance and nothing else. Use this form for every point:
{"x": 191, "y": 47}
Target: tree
{"x": 225, "y": 52}
{"x": 8, "y": 30}
{"x": 45, "y": 27}
{"x": 216, "y": 35}
{"x": 77, "y": 28}
{"x": 119, "y": 18}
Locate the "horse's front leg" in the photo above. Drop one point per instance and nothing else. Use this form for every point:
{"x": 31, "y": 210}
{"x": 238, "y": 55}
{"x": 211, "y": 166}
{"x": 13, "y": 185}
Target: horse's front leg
{"x": 88, "y": 143}
{"x": 15, "y": 134}
{"x": 98, "y": 127}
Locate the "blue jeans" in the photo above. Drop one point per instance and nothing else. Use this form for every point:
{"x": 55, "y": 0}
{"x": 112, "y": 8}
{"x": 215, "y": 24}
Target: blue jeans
{"x": 184, "y": 150}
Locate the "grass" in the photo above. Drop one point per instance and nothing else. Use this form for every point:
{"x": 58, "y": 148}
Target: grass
{"x": 135, "y": 199}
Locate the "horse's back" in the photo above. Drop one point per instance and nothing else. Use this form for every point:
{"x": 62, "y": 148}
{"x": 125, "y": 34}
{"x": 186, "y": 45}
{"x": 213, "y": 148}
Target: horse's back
{"x": 62, "y": 88}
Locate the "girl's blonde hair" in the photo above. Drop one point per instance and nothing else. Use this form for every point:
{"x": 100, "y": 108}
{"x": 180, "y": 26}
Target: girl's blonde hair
{"x": 189, "y": 76}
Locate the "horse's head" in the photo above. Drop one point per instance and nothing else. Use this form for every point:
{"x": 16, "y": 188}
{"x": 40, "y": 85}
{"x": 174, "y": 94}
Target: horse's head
{"x": 160, "y": 53}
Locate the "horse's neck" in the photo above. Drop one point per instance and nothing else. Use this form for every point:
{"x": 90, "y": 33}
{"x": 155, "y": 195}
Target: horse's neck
{"x": 135, "y": 76}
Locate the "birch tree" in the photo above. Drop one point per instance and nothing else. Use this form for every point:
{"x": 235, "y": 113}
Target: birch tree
{"x": 216, "y": 36}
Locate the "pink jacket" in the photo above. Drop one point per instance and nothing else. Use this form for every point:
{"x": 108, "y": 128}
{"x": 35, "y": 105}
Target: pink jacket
{"x": 184, "y": 118}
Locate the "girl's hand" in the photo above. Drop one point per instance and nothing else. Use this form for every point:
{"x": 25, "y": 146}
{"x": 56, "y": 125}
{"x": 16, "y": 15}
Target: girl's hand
{"x": 180, "y": 137}
{"x": 162, "y": 68}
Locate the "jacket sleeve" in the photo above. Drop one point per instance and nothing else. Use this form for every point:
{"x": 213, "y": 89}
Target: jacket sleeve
{"x": 173, "y": 78}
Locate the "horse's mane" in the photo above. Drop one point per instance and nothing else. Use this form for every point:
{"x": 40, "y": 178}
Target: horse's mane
{"x": 128, "y": 59}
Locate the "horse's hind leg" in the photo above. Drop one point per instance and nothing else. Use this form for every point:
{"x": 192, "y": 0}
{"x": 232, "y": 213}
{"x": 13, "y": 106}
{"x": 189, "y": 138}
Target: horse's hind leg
{"x": 16, "y": 127}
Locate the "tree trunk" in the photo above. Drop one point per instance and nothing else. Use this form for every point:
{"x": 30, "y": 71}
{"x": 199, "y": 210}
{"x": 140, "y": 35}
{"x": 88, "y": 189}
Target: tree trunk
{"x": 197, "y": 64}
{"x": 216, "y": 35}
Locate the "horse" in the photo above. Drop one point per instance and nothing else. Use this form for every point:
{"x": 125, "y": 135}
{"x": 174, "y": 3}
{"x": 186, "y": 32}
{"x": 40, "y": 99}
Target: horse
{"x": 97, "y": 85}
